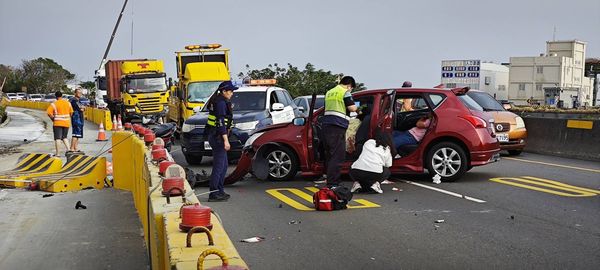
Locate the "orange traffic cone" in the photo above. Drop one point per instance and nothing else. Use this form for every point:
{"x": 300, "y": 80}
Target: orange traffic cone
{"x": 101, "y": 133}
{"x": 119, "y": 124}
{"x": 114, "y": 124}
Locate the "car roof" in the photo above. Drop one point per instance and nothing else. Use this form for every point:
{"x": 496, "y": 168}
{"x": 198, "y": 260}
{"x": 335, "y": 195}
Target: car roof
{"x": 309, "y": 96}
{"x": 246, "y": 88}
{"x": 384, "y": 90}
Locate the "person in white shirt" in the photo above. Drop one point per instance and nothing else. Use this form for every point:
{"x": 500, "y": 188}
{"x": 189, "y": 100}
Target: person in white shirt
{"x": 372, "y": 166}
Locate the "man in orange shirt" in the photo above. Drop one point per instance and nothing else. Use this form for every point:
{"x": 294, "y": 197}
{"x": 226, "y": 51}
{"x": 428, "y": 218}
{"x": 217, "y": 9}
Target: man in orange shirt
{"x": 60, "y": 113}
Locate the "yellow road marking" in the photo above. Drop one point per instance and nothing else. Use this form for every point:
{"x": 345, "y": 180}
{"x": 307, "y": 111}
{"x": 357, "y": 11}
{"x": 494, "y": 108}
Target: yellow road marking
{"x": 553, "y": 164}
{"x": 277, "y": 193}
{"x": 534, "y": 183}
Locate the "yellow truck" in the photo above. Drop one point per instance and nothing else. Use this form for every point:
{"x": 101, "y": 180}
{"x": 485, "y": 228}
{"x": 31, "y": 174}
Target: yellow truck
{"x": 200, "y": 70}
{"x": 137, "y": 89}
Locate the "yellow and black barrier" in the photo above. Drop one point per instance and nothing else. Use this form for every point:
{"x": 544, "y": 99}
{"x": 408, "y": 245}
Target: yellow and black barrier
{"x": 30, "y": 165}
{"x": 133, "y": 171}
{"x": 79, "y": 173}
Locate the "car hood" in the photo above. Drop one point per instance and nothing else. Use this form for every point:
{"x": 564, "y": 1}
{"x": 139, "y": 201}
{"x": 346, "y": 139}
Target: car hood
{"x": 271, "y": 127}
{"x": 200, "y": 118}
{"x": 503, "y": 116}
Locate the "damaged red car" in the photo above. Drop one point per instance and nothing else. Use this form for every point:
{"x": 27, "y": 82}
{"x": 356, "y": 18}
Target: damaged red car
{"x": 460, "y": 136}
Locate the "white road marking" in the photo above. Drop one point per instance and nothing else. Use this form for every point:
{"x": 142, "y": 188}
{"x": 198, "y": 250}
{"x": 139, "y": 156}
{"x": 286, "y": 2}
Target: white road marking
{"x": 444, "y": 191}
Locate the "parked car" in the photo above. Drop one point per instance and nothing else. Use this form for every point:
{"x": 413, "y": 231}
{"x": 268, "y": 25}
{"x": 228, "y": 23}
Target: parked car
{"x": 253, "y": 107}
{"x": 49, "y": 98}
{"x": 35, "y": 97}
{"x": 84, "y": 101}
{"x": 22, "y": 96}
{"x": 303, "y": 103}
{"x": 460, "y": 137}
{"x": 12, "y": 96}
{"x": 510, "y": 128}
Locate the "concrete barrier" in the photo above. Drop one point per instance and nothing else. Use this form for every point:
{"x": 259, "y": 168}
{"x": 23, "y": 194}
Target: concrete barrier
{"x": 133, "y": 171}
{"x": 94, "y": 115}
{"x": 564, "y": 137}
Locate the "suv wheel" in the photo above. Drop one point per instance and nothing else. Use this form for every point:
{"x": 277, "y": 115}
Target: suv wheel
{"x": 193, "y": 159}
{"x": 448, "y": 160}
{"x": 282, "y": 164}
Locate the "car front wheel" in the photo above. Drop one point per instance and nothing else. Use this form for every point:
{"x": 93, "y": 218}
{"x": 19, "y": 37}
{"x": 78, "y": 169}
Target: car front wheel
{"x": 448, "y": 160}
{"x": 282, "y": 164}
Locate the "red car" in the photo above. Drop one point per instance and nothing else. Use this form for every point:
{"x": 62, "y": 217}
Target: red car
{"x": 460, "y": 136}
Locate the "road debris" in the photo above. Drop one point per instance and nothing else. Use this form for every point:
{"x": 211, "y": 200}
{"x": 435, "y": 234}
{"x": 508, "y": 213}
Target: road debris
{"x": 47, "y": 195}
{"x": 512, "y": 217}
{"x": 79, "y": 205}
{"x": 255, "y": 239}
{"x": 437, "y": 179}
{"x": 395, "y": 200}
{"x": 387, "y": 182}
{"x": 396, "y": 189}
{"x": 294, "y": 222}
{"x": 440, "y": 221}
{"x": 280, "y": 206}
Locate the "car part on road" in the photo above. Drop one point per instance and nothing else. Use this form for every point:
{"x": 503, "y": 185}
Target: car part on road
{"x": 448, "y": 160}
{"x": 255, "y": 239}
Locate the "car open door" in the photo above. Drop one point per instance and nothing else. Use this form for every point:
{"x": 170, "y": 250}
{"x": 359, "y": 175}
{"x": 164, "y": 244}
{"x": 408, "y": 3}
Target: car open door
{"x": 385, "y": 114}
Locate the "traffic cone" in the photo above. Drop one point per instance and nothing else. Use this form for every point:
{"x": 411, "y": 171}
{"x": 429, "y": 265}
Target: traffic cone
{"x": 114, "y": 124}
{"x": 119, "y": 124}
{"x": 101, "y": 133}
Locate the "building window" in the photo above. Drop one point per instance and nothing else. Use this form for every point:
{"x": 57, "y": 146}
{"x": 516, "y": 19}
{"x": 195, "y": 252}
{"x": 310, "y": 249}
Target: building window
{"x": 488, "y": 80}
{"x": 521, "y": 87}
{"x": 538, "y": 87}
{"x": 521, "y": 92}
{"x": 501, "y": 87}
{"x": 540, "y": 70}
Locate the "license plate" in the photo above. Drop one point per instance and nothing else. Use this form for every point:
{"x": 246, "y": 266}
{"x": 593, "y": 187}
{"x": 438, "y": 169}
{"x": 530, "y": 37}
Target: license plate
{"x": 207, "y": 146}
{"x": 503, "y": 137}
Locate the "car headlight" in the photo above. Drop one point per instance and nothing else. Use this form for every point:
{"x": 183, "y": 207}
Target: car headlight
{"x": 252, "y": 139}
{"x": 187, "y": 127}
{"x": 246, "y": 125}
{"x": 520, "y": 122}
{"x": 130, "y": 109}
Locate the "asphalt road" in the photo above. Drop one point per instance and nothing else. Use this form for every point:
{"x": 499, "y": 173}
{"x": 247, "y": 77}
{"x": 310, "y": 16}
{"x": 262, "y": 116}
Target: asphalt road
{"x": 525, "y": 212}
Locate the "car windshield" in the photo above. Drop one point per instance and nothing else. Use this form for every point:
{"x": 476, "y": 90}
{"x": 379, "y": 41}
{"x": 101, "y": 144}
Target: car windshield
{"x": 470, "y": 103}
{"x": 36, "y": 96}
{"x": 147, "y": 85}
{"x": 201, "y": 91}
{"x": 49, "y": 97}
{"x": 247, "y": 101}
{"x": 486, "y": 101}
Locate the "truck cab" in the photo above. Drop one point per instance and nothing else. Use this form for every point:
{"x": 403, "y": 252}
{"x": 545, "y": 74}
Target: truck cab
{"x": 200, "y": 70}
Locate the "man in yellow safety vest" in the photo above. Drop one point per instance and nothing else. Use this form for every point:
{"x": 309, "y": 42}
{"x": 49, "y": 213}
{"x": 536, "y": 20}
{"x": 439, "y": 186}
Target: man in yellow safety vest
{"x": 338, "y": 104}
{"x": 60, "y": 112}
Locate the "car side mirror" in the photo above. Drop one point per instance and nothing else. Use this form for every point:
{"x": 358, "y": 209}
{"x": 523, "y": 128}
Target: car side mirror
{"x": 277, "y": 107}
{"x": 196, "y": 109}
{"x": 299, "y": 121}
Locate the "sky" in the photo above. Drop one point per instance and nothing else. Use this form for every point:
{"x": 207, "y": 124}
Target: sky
{"x": 380, "y": 43}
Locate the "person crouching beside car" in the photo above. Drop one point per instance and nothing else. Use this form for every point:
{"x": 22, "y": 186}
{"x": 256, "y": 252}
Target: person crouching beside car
{"x": 372, "y": 166}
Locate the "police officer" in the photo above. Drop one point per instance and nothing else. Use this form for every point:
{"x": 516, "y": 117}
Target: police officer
{"x": 338, "y": 103}
{"x": 220, "y": 121}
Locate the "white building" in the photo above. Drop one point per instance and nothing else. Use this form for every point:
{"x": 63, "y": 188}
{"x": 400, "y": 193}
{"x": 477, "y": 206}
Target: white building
{"x": 489, "y": 77}
{"x": 556, "y": 74}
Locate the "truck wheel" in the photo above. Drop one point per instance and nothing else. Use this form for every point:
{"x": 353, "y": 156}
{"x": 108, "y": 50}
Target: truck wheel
{"x": 193, "y": 159}
{"x": 448, "y": 160}
{"x": 282, "y": 163}
{"x": 514, "y": 152}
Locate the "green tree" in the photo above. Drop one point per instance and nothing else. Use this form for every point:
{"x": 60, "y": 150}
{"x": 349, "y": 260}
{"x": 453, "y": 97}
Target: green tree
{"x": 44, "y": 75}
{"x": 298, "y": 82}
{"x": 88, "y": 84}
{"x": 13, "y": 81}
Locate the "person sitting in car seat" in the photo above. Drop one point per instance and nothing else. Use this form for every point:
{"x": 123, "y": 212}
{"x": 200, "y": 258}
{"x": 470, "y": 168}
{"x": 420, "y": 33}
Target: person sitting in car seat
{"x": 413, "y": 135}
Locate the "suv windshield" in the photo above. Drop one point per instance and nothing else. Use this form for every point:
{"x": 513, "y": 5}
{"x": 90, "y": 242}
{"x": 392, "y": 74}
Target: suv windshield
{"x": 201, "y": 91}
{"x": 147, "y": 85}
{"x": 486, "y": 101}
{"x": 247, "y": 101}
{"x": 470, "y": 103}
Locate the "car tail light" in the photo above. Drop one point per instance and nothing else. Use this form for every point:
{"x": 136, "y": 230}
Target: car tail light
{"x": 475, "y": 121}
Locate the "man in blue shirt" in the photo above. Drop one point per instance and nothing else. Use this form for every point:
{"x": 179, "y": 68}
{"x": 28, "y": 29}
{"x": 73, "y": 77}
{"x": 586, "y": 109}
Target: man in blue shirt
{"x": 77, "y": 120}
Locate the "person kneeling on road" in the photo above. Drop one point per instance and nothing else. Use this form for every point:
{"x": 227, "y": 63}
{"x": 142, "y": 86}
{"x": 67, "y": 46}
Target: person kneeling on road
{"x": 218, "y": 126}
{"x": 372, "y": 166}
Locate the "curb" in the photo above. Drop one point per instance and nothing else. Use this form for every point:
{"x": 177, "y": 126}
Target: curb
{"x": 6, "y": 121}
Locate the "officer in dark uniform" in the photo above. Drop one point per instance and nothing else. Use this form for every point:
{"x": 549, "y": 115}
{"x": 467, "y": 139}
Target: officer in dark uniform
{"x": 220, "y": 121}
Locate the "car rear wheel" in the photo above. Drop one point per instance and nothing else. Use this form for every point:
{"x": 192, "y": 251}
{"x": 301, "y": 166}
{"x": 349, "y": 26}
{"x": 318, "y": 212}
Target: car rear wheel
{"x": 514, "y": 152}
{"x": 448, "y": 160}
{"x": 282, "y": 163}
{"x": 192, "y": 159}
